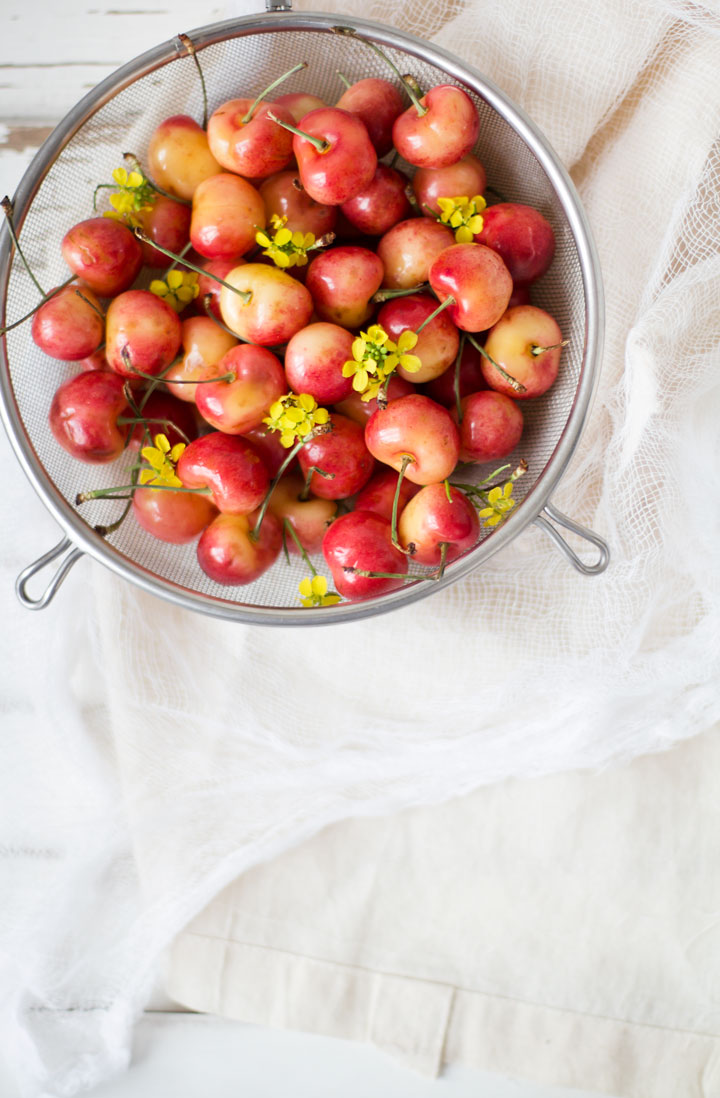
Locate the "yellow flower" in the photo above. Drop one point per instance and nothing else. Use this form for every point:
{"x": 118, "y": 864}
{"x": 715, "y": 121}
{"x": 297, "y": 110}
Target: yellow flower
{"x": 463, "y": 215}
{"x": 295, "y": 417}
{"x": 179, "y": 288}
{"x": 375, "y": 357}
{"x": 500, "y": 503}
{"x": 313, "y": 592}
{"x": 285, "y": 248}
{"x": 135, "y": 195}
{"x": 162, "y": 461}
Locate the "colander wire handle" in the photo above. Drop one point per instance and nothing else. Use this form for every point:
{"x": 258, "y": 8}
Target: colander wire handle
{"x": 32, "y": 569}
{"x": 582, "y": 531}
{"x": 278, "y": 5}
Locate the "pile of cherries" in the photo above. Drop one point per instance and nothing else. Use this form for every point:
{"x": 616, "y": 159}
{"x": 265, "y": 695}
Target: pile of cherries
{"x": 331, "y": 338}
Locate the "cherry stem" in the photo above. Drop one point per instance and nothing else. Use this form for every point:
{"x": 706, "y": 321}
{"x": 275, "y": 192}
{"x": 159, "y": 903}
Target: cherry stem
{"x": 535, "y": 350}
{"x": 181, "y": 255}
{"x": 207, "y": 307}
{"x": 190, "y": 48}
{"x": 321, "y": 473}
{"x": 448, "y": 495}
{"x": 350, "y": 32}
{"x": 280, "y": 80}
{"x": 407, "y": 460}
{"x": 246, "y": 295}
{"x": 344, "y": 78}
{"x": 134, "y": 162}
{"x": 109, "y": 493}
{"x": 301, "y": 548}
{"x": 321, "y": 145}
{"x": 323, "y": 241}
{"x": 443, "y": 305}
{"x": 383, "y": 575}
{"x": 512, "y": 381}
{"x": 409, "y": 192}
{"x": 410, "y": 82}
{"x": 443, "y": 560}
{"x": 388, "y": 295}
{"x": 47, "y": 297}
{"x": 92, "y": 305}
{"x": 456, "y": 378}
{"x": 8, "y": 211}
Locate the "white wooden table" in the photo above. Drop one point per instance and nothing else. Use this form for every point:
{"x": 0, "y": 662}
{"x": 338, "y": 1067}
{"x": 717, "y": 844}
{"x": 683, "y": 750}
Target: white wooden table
{"x": 50, "y": 56}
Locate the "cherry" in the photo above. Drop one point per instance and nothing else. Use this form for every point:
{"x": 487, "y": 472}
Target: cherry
{"x": 209, "y": 286}
{"x": 526, "y": 342}
{"x": 465, "y": 177}
{"x": 335, "y": 156}
{"x": 164, "y": 414}
{"x": 268, "y": 445}
{"x": 84, "y": 414}
{"x": 303, "y": 213}
{"x": 229, "y": 554}
{"x": 168, "y": 223}
{"x": 437, "y": 344}
{"x": 477, "y": 279}
{"x": 250, "y": 144}
{"x": 237, "y": 406}
{"x": 342, "y": 455}
{"x": 277, "y": 308}
{"x": 471, "y": 379}
{"x": 226, "y": 213}
{"x": 175, "y": 517}
{"x": 204, "y": 345}
{"x": 104, "y": 254}
{"x": 491, "y": 426}
{"x": 179, "y": 157}
{"x": 378, "y": 103}
{"x": 415, "y": 426}
{"x": 408, "y": 250}
{"x": 342, "y": 281}
{"x": 69, "y": 326}
{"x": 142, "y": 333}
{"x": 378, "y": 495}
{"x": 444, "y": 133}
{"x": 522, "y": 236}
{"x": 381, "y": 204}
{"x": 360, "y": 542}
{"x": 229, "y": 467}
{"x": 309, "y": 516}
{"x": 314, "y": 359}
{"x": 354, "y": 407}
{"x": 299, "y": 104}
{"x": 431, "y": 521}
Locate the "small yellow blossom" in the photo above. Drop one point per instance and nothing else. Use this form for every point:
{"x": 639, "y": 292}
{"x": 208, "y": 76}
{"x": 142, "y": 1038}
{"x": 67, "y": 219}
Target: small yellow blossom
{"x": 313, "y": 592}
{"x": 285, "y": 248}
{"x": 162, "y": 461}
{"x": 375, "y": 357}
{"x": 135, "y": 195}
{"x": 178, "y": 288}
{"x": 295, "y": 417}
{"x": 463, "y": 215}
{"x": 500, "y": 502}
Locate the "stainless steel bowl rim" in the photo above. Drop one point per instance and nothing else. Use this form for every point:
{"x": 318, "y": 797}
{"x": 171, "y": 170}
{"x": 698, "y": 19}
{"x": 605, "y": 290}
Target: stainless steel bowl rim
{"x": 81, "y": 537}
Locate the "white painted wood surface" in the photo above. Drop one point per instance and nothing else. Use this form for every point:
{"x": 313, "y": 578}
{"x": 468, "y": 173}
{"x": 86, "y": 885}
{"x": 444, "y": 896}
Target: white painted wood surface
{"x": 50, "y": 56}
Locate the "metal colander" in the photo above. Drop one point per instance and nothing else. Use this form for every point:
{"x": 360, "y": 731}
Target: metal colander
{"x": 240, "y": 57}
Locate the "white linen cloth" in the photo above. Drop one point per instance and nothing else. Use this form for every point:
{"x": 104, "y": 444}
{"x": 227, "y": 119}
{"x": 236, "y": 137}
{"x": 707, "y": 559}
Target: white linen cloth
{"x": 152, "y": 756}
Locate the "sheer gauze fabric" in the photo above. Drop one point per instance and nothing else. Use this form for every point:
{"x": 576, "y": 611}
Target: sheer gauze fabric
{"x": 154, "y": 755}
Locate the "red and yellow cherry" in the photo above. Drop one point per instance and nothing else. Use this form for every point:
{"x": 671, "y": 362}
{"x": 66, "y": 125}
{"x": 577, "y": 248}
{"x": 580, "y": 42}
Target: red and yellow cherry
{"x": 335, "y": 156}
{"x": 210, "y": 286}
{"x": 228, "y": 553}
{"x": 299, "y": 104}
{"x": 362, "y": 541}
{"x": 237, "y": 406}
{"x": 204, "y": 344}
{"x": 381, "y": 204}
{"x": 522, "y": 236}
{"x": 491, "y": 427}
{"x": 95, "y": 361}
{"x": 354, "y": 407}
{"x": 314, "y": 359}
{"x": 68, "y": 326}
{"x": 431, "y": 520}
{"x": 104, "y": 254}
{"x": 167, "y": 223}
{"x": 437, "y": 344}
{"x": 226, "y": 212}
{"x": 230, "y": 467}
{"x": 516, "y": 343}
{"x": 179, "y": 157}
{"x": 142, "y": 333}
{"x": 279, "y": 305}
{"x": 309, "y": 517}
{"x": 84, "y": 414}
{"x": 408, "y": 250}
{"x": 175, "y": 517}
{"x": 466, "y": 176}
{"x": 163, "y": 414}
{"x": 252, "y": 145}
{"x": 378, "y": 103}
{"x": 415, "y": 426}
{"x": 444, "y": 134}
{"x": 303, "y": 213}
{"x": 342, "y": 281}
{"x": 378, "y": 495}
{"x": 478, "y": 280}
{"x": 471, "y": 380}
{"x": 340, "y": 453}
{"x": 268, "y": 445}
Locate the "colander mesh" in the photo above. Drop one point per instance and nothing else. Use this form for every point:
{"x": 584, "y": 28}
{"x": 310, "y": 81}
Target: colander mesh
{"x": 238, "y": 67}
